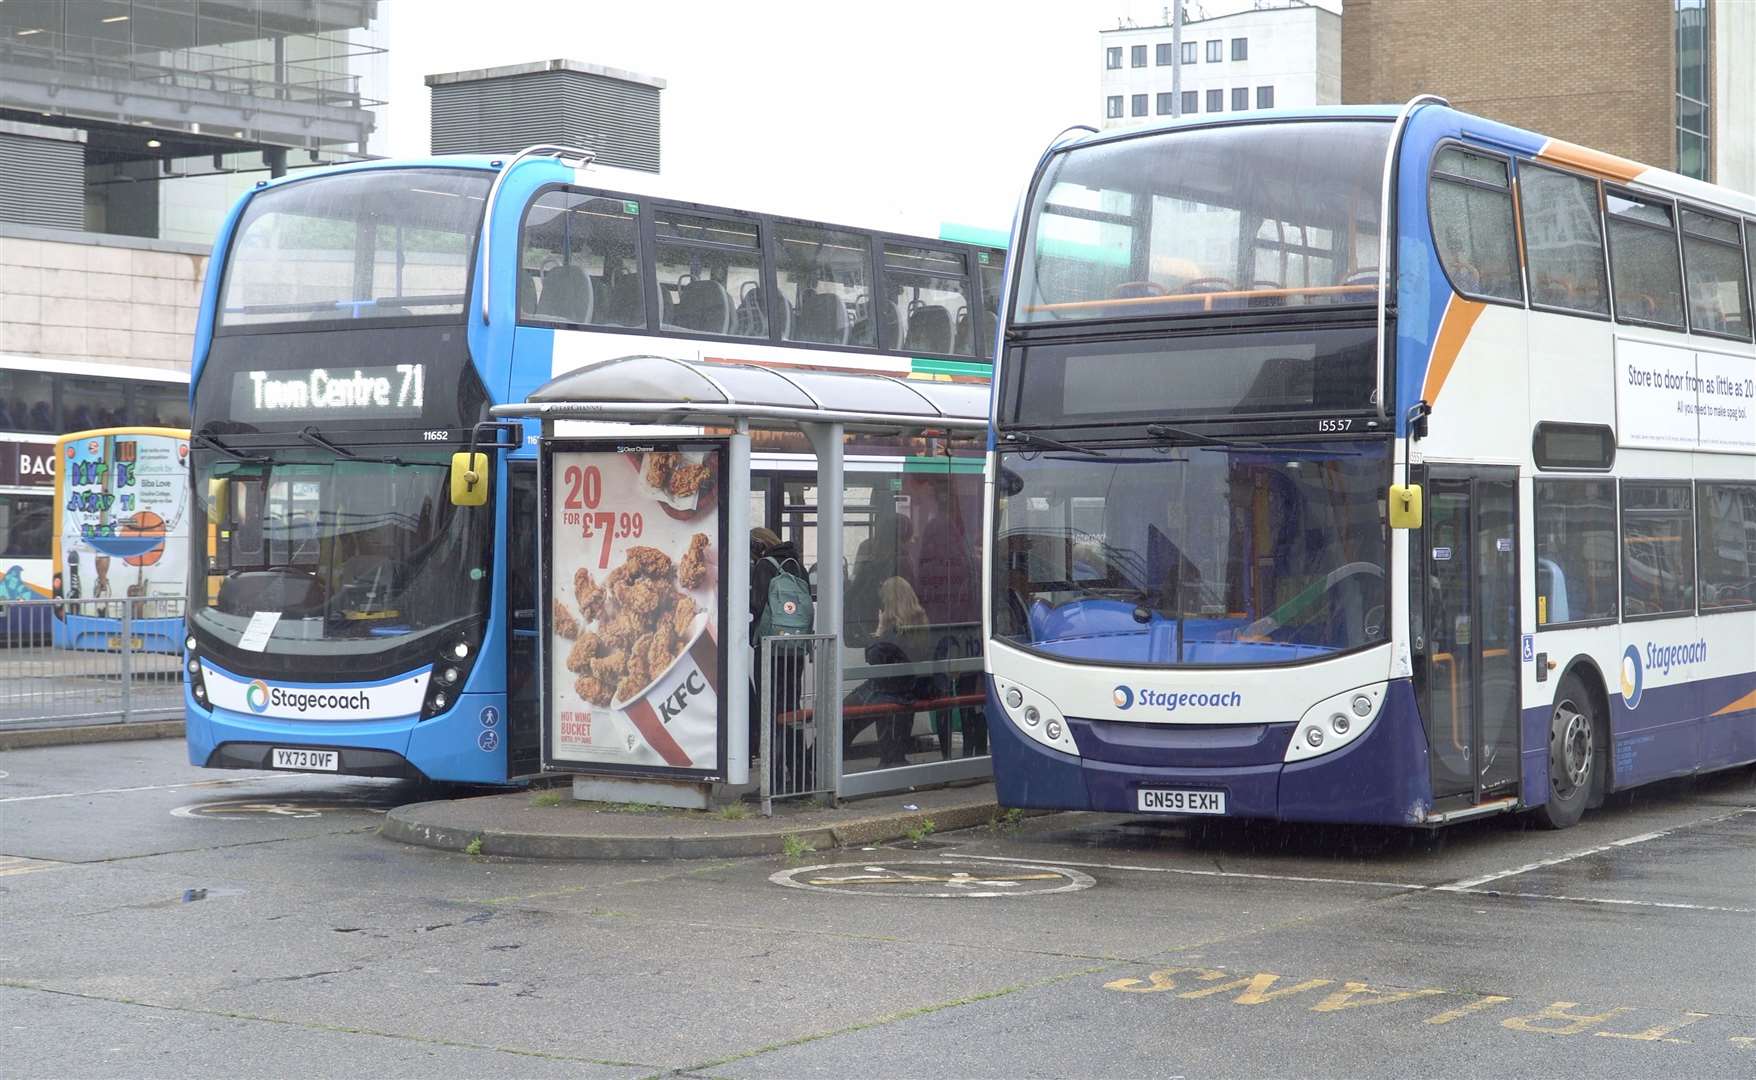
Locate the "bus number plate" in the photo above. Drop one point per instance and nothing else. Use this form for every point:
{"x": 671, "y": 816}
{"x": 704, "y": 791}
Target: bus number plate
{"x": 324, "y": 760}
{"x": 1180, "y": 801}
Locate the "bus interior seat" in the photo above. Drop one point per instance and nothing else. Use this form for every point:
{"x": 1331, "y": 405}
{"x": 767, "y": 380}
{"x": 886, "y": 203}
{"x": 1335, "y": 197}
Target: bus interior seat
{"x": 703, "y": 304}
{"x": 783, "y": 317}
{"x": 929, "y": 329}
{"x": 751, "y": 318}
{"x": 963, "y": 338}
{"x": 566, "y": 295}
{"x": 889, "y": 323}
{"x": 527, "y": 292}
{"x": 823, "y": 319}
{"x": 622, "y": 301}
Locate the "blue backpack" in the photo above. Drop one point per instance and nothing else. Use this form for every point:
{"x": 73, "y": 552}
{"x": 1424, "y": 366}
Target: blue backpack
{"x": 788, "y": 611}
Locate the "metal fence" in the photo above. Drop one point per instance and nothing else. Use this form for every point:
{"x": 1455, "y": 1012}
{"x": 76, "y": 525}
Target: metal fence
{"x": 83, "y": 661}
{"x": 797, "y": 753}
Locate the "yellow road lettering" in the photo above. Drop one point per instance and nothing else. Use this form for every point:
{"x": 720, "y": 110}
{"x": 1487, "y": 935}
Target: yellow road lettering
{"x": 1255, "y": 987}
{"x": 1157, "y": 982}
{"x": 1557, "y": 1019}
{"x": 1486, "y": 1001}
{"x": 1658, "y": 1032}
{"x": 1353, "y": 995}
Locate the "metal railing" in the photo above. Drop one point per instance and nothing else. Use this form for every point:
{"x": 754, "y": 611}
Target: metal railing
{"x": 89, "y": 661}
{"x": 796, "y": 752}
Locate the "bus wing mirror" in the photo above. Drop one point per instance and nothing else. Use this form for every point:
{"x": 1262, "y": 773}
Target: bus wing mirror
{"x": 217, "y": 499}
{"x": 1405, "y": 506}
{"x": 469, "y": 479}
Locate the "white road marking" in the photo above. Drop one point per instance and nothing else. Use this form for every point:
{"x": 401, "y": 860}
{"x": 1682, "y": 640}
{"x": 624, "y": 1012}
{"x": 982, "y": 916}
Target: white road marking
{"x": 1399, "y": 885}
{"x": 1474, "y": 884}
{"x": 1615, "y": 901}
{"x": 158, "y": 787}
{"x": 1468, "y": 886}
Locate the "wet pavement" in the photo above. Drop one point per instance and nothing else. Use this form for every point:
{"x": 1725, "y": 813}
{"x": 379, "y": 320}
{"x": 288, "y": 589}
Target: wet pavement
{"x": 167, "y": 919}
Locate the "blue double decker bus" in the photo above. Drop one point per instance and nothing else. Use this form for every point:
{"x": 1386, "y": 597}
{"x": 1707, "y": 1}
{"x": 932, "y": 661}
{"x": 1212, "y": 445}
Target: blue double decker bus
{"x": 1369, "y": 465}
{"x": 359, "y": 607}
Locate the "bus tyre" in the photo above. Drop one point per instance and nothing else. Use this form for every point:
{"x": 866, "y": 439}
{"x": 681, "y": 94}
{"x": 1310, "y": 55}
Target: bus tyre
{"x": 1576, "y": 756}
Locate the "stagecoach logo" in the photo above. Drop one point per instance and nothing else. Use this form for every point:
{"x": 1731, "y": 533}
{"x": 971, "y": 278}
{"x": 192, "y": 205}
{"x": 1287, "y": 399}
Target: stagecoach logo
{"x": 1171, "y": 700}
{"x": 257, "y": 696}
{"x": 1659, "y": 658}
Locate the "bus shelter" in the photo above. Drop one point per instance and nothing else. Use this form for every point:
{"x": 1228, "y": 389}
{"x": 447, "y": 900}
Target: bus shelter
{"x": 647, "y": 505}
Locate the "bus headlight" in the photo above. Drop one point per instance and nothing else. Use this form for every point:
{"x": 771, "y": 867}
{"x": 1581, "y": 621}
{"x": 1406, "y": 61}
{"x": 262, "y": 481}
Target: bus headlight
{"x": 450, "y": 672}
{"x": 192, "y": 673}
{"x": 1035, "y": 716}
{"x": 1335, "y": 722}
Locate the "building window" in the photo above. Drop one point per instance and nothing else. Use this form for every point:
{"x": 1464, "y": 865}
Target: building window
{"x": 1113, "y": 107}
{"x": 1137, "y": 56}
{"x": 1644, "y": 272}
{"x": 1162, "y": 55}
{"x": 1164, "y": 104}
{"x": 1216, "y": 50}
{"x": 1240, "y": 48}
{"x": 1575, "y": 551}
{"x": 1190, "y": 49}
{"x": 1471, "y": 203}
{"x": 1265, "y": 97}
{"x": 1658, "y": 549}
{"x": 1113, "y": 58}
{"x": 1216, "y": 101}
{"x": 1727, "y": 555}
{"x": 1191, "y": 102}
{"x": 1713, "y": 272}
{"x": 1240, "y": 99}
{"x": 1139, "y": 104}
{"x": 1693, "y": 134}
{"x": 1563, "y": 240}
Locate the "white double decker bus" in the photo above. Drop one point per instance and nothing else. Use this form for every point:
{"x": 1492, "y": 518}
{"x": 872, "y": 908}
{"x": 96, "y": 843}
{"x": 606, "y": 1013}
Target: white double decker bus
{"x": 1370, "y": 465}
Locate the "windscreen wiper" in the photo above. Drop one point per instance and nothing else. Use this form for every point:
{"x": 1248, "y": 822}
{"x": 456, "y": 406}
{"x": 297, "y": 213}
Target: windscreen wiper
{"x": 1025, "y": 438}
{"x": 315, "y": 438}
{"x": 1166, "y": 431}
{"x": 202, "y": 438}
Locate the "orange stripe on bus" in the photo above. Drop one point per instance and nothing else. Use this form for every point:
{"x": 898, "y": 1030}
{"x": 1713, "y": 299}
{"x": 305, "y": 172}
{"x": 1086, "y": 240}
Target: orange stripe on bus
{"x": 1588, "y": 160}
{"x": 1743, "y": 704}
{"x": 1460, "y": 317}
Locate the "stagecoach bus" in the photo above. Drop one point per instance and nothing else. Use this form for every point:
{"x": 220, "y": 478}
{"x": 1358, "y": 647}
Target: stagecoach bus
{"x": 1369, "y": 465}
{"x": 351, "y": 614}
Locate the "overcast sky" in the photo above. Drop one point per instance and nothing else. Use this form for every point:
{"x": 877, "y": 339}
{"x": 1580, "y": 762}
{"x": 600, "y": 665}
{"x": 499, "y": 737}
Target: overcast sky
{"x": 898, "y": 114}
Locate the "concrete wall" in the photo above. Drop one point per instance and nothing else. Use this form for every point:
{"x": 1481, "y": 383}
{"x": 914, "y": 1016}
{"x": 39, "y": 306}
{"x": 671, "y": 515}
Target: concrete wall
{"x": 1734, "y": 94}
{"x": 105, "y": 299}
{"x": 1595, "y": 73}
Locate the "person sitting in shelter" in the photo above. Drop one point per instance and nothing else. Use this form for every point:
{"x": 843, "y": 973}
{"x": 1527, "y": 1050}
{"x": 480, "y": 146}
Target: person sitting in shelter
{"x": 903, "y": 638}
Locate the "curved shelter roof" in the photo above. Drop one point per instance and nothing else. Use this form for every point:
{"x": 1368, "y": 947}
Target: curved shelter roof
{"x": 664, "y": 390}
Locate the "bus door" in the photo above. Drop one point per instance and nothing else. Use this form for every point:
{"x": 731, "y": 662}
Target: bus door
{"x": 1471, "y": 707}
{"x": 524, "y": 719}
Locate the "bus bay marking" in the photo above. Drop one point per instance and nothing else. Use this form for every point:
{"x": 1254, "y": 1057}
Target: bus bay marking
{"x": 1558, "y": 1018}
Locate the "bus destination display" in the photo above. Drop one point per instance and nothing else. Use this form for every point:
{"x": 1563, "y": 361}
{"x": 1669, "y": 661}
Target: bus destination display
{"x": 338, "y": 393}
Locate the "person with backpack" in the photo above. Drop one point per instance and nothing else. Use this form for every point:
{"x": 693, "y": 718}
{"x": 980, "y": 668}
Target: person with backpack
{"x": 780, "y": 606}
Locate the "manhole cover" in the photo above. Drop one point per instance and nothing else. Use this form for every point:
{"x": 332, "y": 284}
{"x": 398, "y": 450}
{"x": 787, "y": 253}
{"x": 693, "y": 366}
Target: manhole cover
{"x": 939, "y": 879}
{"x": 265, "y": 809}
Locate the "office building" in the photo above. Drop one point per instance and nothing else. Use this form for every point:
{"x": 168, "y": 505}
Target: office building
{"x": 1263, "y": 58}
{"x": 1670, "y": 83}
{"x": 128, "y": 128}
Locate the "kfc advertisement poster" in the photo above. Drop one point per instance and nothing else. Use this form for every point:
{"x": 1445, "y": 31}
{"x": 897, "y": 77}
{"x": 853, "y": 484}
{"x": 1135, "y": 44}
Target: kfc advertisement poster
{"x": 633, "y": 624}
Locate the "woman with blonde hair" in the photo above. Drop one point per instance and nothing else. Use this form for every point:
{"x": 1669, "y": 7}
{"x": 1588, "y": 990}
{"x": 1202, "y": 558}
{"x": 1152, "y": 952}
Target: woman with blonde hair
{"x": 902, "y": 639}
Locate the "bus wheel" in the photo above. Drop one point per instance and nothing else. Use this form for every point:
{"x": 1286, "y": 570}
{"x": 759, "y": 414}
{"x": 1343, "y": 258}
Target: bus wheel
{"x": 1575, "y": 756}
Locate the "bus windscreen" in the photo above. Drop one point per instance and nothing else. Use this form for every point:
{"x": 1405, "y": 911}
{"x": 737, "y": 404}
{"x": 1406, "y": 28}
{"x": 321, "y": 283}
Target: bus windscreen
{"x": 1186, "y": 222}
